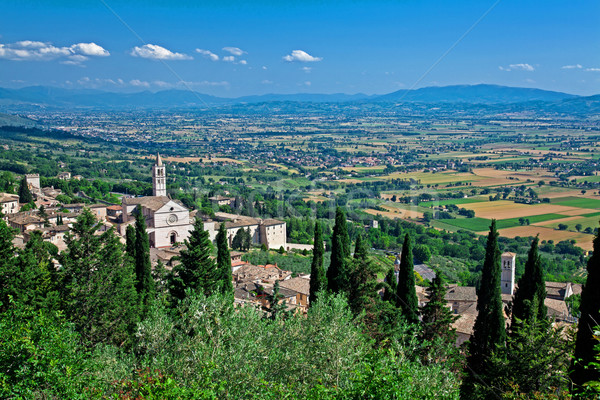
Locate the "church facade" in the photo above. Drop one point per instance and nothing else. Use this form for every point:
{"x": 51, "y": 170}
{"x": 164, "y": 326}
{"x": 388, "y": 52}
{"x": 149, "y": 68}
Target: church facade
{"x": 168, "y": 221}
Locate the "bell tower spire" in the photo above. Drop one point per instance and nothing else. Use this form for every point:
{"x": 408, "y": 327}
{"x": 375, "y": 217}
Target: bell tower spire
{"x": 159, "y": 178}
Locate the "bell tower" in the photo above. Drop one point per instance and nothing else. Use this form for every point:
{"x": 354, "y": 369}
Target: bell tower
{"x": 507, "y": 280}
{"x": 159, "y": 178}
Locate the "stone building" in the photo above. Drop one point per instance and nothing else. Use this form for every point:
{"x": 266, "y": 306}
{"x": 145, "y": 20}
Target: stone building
{"x": 9, "y": 203}
{"x": 168, "y": 221}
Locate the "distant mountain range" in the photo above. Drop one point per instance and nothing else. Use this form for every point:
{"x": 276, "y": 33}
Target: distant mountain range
{"x": 58, "y": 98}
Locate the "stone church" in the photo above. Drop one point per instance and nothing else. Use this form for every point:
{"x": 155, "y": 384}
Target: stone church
{"x": 168, "y": 221}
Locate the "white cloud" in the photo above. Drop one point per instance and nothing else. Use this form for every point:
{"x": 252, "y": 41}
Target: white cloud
{"x": 576, "y": 66}
{"x": 229, "y": 58}
{"x": 517, "y": 67}
{"x": 208, "y": 54}
{"x": 138, "y": 83}
{"x": 243, "y": 62}
{"x": 28, "y": 50}
{"x": 267, "y": 82}
{"x": 301, "y": 56}
{"x": 234, "y": 50}
{"x": 306, "y": 69}
{"x": 156, "y": 52}
{"x": 307, "y": 83}
{"x": 90, "y": 49}
{"x": 264, "y": 68}
{"x": 593, "y": 69}
{"x": 187, "y": 84}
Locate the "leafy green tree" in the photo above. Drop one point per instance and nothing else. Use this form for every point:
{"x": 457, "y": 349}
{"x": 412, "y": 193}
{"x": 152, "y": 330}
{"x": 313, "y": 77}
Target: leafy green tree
{"x": 422, "y": 253}
{"x": 582, "y": 371}
{"x": 406, "y": 294}
{"x": 197, "y": 270}
{"x": 277, "y": 307}
{"x": 489, "y": 333}
{"x": 318, "y": 280}
{"x": 7, "y": 263}
{"x": 338, "y": 273}
{"x": 25, "y": 195}
{"x": 238, "y": 240}
{"x": 531, "y": 290}
{"x": 224, "y": 276}
{"x": 143, "y": 266}
{"x": 247, "y": 242}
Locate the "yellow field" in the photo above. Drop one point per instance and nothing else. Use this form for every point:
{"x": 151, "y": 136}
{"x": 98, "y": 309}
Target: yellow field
{"x": 503, "y": 209}
{"x": 584, "y": 241}
{"x": 396, "y": 213}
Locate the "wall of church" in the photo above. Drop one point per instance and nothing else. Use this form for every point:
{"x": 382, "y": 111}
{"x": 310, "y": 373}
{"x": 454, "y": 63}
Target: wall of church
{"x": 274, "y": 236}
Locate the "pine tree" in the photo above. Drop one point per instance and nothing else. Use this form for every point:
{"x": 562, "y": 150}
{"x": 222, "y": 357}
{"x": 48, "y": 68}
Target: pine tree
{"x": 143, "y": 267}
{"x": 98, "y": 284}
{"x": 224, "y": 276}
{"x": 197, "y": 270}
{"x": 489, "y": 333}
{"x": 589, "y": 319}
{"x": 531, "y": 289}
{"x": 389, "y": 294}
{"x": 318, "y": 281}
{"x": 437, "y": 318}
{"x": 362, "y": 285}
{"x": 406, "y": 294}
{"x": 25, "y": 195}
{"x": 338, "y": 273}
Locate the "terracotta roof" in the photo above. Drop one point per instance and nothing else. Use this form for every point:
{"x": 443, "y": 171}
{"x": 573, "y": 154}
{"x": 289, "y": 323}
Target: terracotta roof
{"x": 465, "y": 323}
{"x": 556, "y": 308}
{"x": 7, "y": 197}
{"x": 300, "y": 285}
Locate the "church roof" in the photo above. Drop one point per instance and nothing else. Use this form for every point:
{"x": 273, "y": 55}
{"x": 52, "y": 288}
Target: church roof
{"x": 153, "y": 203}
{"x": 159, "y": 162}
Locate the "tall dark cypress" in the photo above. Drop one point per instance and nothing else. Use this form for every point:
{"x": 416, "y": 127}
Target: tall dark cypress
{"x": 25, "y": 195}
{"x": 390, "y": 292}
{"x": 197, "y": 269}
{"x": 489, "y": 332}
{"x": 143, "y": 266}
{"x": 130, "y": 241}
{"x": 318, "y": 281}
{"x": 338, "y": 274}
{"x": 406, "y": 294}
{"x": 437, "y": 317}
{"x": 589, "y": 319}
{"x": 224, "y": 262}
{"x": 531, "y": 290}
{"x": 360, "y": 248}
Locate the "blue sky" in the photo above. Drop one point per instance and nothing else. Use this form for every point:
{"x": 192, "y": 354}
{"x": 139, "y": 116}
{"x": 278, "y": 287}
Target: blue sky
{"x": 231, "y": 48}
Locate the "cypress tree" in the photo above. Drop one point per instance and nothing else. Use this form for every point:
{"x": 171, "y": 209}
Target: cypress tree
{"x": 338, "y": 274}
{"x": 585, "y": 342}
{"x": 224, "y": 262}
{"x": 489, "y": 332}
{"x": 531, "y": 289}
{"x": 360, "y": 248}
{"x": 318, "y": 281}
{"x": 197, "y": 269}
{"x": 362, "y": 286}
{"x": 143, "y": 266}
{"x": 7, "y": 263}
{"x": 247, "y": 239}
{"x": 276, "y": 307}
{"x": 130, "y": 241}
{"x": 389, "y": 294}
{"x": 406, "y": 294}
{"x": 25, "y": 195}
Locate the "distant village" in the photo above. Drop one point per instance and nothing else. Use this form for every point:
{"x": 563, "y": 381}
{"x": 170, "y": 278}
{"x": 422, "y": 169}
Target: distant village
{"x": 169, "y": 224}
